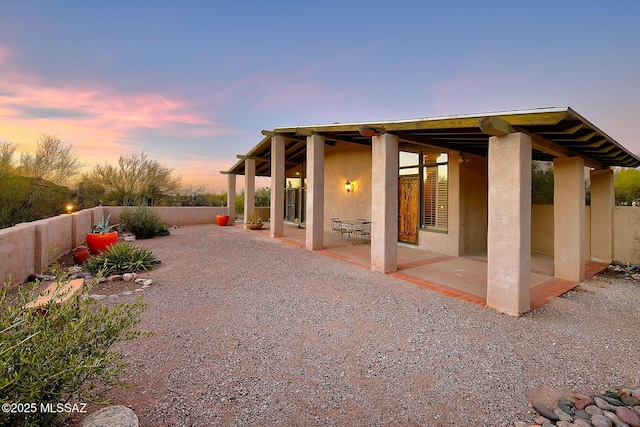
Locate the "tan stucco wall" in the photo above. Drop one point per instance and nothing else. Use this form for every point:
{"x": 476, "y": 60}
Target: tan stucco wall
{"x": 17, "y": 252}
{"x": 30, "y": 247}
{"x": 347, "y": 162}
{"x": 81, "y": 223}
{"x": 626, "y": 234}
{"x": 473, "y": 205}
{"x": 53, "y": 238}
{"x": 542, "y": 230}
{"x": 178, "y": 215}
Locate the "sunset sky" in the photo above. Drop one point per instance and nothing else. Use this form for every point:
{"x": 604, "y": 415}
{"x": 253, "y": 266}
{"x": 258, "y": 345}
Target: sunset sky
{"x": 192, "y": 83}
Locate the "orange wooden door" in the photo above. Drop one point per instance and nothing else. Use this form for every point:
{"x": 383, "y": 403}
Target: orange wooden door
{"x": 408, "y": 199}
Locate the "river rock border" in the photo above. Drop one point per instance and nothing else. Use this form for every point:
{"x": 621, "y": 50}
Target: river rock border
{"x": 613, "y": 408}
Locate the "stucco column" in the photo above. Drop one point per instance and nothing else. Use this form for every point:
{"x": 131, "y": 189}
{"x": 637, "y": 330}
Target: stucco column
{"x": 602, "y": 203}
{"x": 509, "y": 228}
{"x": 231, "y": 197}
{"x": 315, "y": 192}
{"x": 568, "y": 218}
{"x": 277, "y": 186}
{"x": 249, "y": 188}
{"x": 384, "y": 203}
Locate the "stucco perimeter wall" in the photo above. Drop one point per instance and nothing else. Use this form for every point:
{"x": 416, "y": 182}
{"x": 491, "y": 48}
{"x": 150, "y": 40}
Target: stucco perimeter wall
{"x": 542, "y": 230}
{"x": 31, "y": 247}
{"x": 626, "y": 234}
{"x": 341, "y": 163}
{"x": 53, "y": 238}
{"x": 17, "y": 249}
{"x": 176, "y": 215}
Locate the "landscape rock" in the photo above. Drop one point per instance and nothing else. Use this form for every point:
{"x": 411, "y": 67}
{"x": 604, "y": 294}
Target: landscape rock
{"x": 593, "y": 410}
{"x": 127, "y": 277}
{"x": 630, "y": 401}
{"x": 628, "y": 415}
{"x": 541, "y": 420}
{"x": 545, "y": 411}
{"x": 583, "y": 403}
{"x": 602, "y": 404}
{"x": 563, "y": 416}
{"x": 111, "y": 416}
{"x": 581, "y": 414}
{"x": 582, "y": 423}
{"x": 599, "y": 420}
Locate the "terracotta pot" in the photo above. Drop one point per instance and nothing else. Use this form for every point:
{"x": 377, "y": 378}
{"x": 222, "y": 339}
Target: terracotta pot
{"x": 254, "y": 226}
{"x": 100, "y": 242}
{"x": 222, "y": 220}
{"x": 81, "y": 255}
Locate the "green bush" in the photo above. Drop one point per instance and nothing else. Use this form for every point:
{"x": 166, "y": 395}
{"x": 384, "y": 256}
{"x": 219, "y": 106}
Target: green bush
{"x": 142, "y": 221}
{"x": 122, "y": 257}
{"x": 64, "y": 356}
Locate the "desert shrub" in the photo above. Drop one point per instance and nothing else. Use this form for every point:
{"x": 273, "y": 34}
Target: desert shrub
{"x": 142, "y": 221}
{"x": 122, "y": 257}
{"x": 66, "y": 355}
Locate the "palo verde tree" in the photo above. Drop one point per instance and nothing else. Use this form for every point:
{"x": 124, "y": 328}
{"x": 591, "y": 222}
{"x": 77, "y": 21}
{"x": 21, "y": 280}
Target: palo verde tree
{"x": 626, "y": 183}
{"x": 30, "y": 189}
{"x": 6, "y": 157}
{"x": 136, "y": 180}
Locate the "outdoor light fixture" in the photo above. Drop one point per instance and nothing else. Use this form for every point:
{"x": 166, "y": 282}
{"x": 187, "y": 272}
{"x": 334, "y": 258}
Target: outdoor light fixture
{"x": 348, "y": 186}
{"x": 69, "y": 208}
{"x": 462, "y": 158}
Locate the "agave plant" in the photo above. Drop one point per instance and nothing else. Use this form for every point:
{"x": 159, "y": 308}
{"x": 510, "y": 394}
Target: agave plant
{"x": 121, "y": 258}
{"x": 103, "y": 226}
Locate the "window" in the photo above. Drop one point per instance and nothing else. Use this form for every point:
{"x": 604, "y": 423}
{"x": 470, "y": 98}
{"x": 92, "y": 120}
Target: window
{"x": 435, "y": 206}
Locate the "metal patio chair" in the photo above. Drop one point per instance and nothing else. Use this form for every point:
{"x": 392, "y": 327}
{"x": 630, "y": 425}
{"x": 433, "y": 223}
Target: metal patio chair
{"x": 362, "y": 232}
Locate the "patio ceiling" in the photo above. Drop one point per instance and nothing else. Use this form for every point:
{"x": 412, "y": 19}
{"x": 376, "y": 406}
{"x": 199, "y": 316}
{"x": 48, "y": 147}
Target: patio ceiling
{"x": 555, "y": 132}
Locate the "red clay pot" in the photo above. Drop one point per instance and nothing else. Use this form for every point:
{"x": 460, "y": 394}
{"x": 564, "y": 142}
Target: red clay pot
{"x": 81, "y": 255}
{"x": 222, "y": 220}
{"x": 100, "y": 242}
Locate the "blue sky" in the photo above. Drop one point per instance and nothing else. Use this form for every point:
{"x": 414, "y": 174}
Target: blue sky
{"x": 193, "y": 83}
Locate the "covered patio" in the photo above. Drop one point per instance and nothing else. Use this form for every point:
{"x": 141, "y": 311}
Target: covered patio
{"x": 464, "y": 193}
{"x": 463, "y": 277}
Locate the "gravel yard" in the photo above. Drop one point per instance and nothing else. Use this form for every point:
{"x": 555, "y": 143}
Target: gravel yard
{"x": 252, "y": 331}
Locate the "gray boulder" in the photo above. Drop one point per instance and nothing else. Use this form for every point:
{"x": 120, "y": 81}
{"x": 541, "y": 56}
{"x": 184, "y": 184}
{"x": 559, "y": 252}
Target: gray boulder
{"x": 111, "y": 416}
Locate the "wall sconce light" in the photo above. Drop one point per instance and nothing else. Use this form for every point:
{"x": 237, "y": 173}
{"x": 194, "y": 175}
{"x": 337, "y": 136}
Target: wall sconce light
{"x": 462, "y": 159}
{"x": 348, "y": 186}
{"x": 69, "y": 208}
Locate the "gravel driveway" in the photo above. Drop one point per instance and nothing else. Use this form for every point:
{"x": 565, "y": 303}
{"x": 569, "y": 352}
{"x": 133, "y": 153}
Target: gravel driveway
{"x": 252, "y": 331}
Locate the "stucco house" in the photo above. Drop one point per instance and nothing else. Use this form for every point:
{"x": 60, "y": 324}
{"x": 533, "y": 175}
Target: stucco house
{"x": 455, "y": 185}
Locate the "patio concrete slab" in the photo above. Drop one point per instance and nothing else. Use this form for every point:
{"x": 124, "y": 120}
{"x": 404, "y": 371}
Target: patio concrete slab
{"x": 459, "y": 277}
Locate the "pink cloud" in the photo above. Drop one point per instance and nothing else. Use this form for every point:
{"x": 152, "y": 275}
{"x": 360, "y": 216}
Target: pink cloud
{"x": 94, "y": 118}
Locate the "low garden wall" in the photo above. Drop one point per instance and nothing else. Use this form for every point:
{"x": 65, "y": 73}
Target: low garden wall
{"x": 32, "y": 246}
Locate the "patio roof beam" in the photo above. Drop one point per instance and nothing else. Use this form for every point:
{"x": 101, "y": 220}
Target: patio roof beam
{"x": 494, "y": 126}
{"x": 546, "y": 146}
{"x": 259, "y": 159}
{"x": 437, "y": 143}
{"x": 497, "y": 127}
